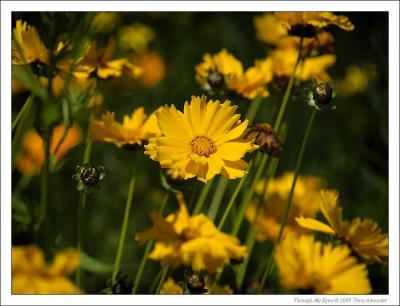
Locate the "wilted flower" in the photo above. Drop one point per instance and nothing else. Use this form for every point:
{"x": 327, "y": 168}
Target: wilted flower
{"x": 31, "y": 159}
{"x": 307, "y": 264}
{"x": 203, "y": 141}
{"x": 88, "y": 177}
{"x": 266, "y": 138}
{"x": 132, "y": 131}
{"x": 195, "y": 241}
{"x": 274, "y": 200}
{"x": 364, "y": 236}
{"x": 32, "y": 275}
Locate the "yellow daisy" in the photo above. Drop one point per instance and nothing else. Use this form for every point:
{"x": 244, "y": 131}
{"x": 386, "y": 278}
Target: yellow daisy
{"x": 32, "y": 275}
{"x": 364, "y": 236}
{"x": 203, "y": 141}
{"x": 218, "y": 71}
{"x": 194, "y": 240}
{"x": 133, "y": 130}
{"x": 307, "y": 264}
{"x": 272, "y": 208}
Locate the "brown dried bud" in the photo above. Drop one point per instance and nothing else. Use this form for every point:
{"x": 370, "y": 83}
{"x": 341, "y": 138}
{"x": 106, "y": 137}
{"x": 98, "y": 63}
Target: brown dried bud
{"x": 267, "y": 139}
{"x": 322, "y": 94}
{"x": 196, "y": 284}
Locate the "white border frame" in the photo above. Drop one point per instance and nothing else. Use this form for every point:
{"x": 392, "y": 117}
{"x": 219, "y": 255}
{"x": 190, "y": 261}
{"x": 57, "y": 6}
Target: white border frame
{"x": 7, "y": 7}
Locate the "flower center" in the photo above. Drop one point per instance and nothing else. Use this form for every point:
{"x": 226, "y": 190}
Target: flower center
{"x": 203, "y": 146}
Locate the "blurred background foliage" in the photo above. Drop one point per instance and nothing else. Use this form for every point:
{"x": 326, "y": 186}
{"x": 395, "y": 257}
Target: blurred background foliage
{"x": 348, "y": 147}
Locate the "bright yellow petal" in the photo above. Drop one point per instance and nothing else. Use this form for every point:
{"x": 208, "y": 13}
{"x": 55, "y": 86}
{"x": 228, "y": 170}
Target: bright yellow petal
{"x": 314, "y": 225}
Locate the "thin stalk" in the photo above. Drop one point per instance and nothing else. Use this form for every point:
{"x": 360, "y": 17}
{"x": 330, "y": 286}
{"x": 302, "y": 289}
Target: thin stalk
{"x": 217, "y": 198}
{"x": 253, "y": 108}
{"x": 299, "y": 162}
{"x": 125, "y": 222}
{"x": 202, "y": 198}
{"x": 149, "y": 246}
{"x": 25, "y": 108}
{"x": 161, "y": 282}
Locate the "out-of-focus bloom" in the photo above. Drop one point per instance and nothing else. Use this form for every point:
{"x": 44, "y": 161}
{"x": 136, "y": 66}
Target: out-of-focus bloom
{"x": 306, "y": 24}
{"x": 27, "y": 46}
{"x": 31, "y": 159}
{"x": 356, "y": 80}
{"x": 266, "y": 138}
{"x": 218, "y": 71}
{"x": 364, "y": 236}
{"x": 59, "y": 81}
{"x": 101, "y": 62}
{"x": 132, "y": 131}
{"x": 195, "y": 241}
{"x": 32, "y": 275}
{"x": 136, "y": 37}
{"x": 203, "y": 141}
{"x": 283, "y": 62}
{"x": 307, "y": 264}
{"x": 304, "y": 202}
{"x": 153, "y": 68}
{"x": 105, "y": 21}
{"x": 16, "y": 86}
{"x": 171, "y": 287}
{"x": 254, "y": 81}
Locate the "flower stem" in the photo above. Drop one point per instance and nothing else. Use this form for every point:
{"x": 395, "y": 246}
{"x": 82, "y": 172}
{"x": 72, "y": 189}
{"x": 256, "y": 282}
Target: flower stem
{"x": 161, "y": 282}
{"x": 149, "y": 245}
{"x": 217, "y": 198}
{"x": 202, "y": 198}
{"x": 25, "y": 108}
{"x": 122, "y": 238}
{"x": 299, "y": 162}
{"x": 253, "y": 108}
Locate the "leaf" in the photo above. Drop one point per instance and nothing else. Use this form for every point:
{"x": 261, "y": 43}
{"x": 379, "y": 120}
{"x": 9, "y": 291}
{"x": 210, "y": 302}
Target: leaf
{"x": 29, "y": 80}
{"x": 94, "y": 265}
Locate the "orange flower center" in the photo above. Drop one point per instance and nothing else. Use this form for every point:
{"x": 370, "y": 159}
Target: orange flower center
{"x": 203, "y": 146}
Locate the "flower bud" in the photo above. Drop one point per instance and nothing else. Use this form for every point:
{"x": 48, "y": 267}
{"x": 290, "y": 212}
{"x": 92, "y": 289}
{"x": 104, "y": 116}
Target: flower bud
{"x": 321, "y": 96}
{"x": 196, "y": 284}
{"x": 266, "y": 138}
{"x": 90, "y": 176}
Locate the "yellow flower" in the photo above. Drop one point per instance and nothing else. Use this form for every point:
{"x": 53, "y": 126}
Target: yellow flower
{"x": 153, "y": 68}
{"x": 28, "y": 42}
{"x": 194, "y": 240}
{"x": 105, "y": 21}
{"x": 32, "y": 275}
{"x": 364, "y": 236}
{"x": 100, "y": 61}
{"x": 171, "y": 287}
{"x": 31, "y": 159}
{"x": 306, "y": 264}
{"x": 136, "y": 37}
{"x": 356, "y": 80}
{"x": 270, "y": 214}
{"x": 133, "y": 130}
{"x": 203, "y": 141}
{"x": 306, "y": 23}
{"x": 283, "y": 62}
{"x": 254, "y": 81}
{"x": 218, "y": 70}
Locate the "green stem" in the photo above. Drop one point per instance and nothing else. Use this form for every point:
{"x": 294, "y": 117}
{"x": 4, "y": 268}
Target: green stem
{"x": 217, "y": 198}
{"x": 299, "y": 162}
{"x": 253, "y": 108}
{"x": 149, "y": 246}
{"x": 161, "y": 282}
{"x": 202, "y": 198}
{"x": 24, "y": 109}
{"x": 124, "y": 229}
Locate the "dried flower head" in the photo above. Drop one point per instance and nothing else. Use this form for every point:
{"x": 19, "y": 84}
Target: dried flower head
{"x": 266, "y": 138}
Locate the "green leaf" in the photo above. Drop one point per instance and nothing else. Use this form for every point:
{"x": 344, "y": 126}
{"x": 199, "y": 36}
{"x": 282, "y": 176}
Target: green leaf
{"x": 29, "y": 80}
{"x": 94, "y": 265}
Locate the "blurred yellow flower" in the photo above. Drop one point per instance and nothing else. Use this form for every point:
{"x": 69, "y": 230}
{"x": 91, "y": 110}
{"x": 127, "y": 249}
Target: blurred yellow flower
{"x": 195, "y": 241}
{"x": 31, "y": 159}
{"x": 133, "y": 130}
{"x": 153, "y": 68}
{"x": 105, "y": 21}
{"x": 218, "y": 70}
{"x": 305, "y": 202}
{"x": 254, "y": 81}
{"x": 101, "y": 62}
{"x": 32, "y": 275}
{"x": 27, "y": 46}
{"x": 203, "y": 141}
{"x": 284, "y": 60}
{"x": 364, "y": 236}
{"x": 171, "y": 287}
{"x": 307, "y": 264}
{"x": 136, "y": 37}
{"x": 307, "y": 23}
{"x": 356, "y": 80}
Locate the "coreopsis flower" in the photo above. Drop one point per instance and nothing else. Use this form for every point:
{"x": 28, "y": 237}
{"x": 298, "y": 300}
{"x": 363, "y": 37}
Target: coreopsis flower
{"x": 356, "y": 80}
{"x": 266, "y": 138}
{"x": 310, "y": 265}
{"x": 307, "y": 24}
{"x": 362, "y": 235}
{"x": 153, "y": 68}
{"x": 218, "y": 71}
{"x": 203, "y": 141}
{"x": 102, "y": 64}
{"x": 254, "y": 81}
{"x": 133, "y": 130}
{"x": 191, "y": 240}
{"x": 274, "y": 201}
{"x": 136, "y": 37}
{"x": 31, "y": 159}
{"x": 32, "y": 275}
{"x": 105, "y": 21}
